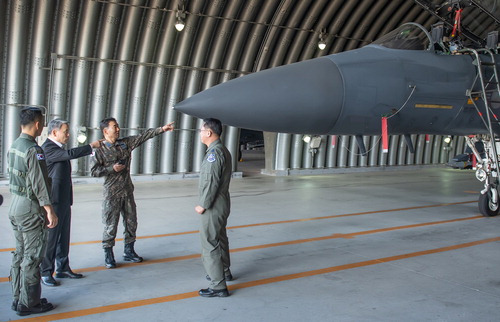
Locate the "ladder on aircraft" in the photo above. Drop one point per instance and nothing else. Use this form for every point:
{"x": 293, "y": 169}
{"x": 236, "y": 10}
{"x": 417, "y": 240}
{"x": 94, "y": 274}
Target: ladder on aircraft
{"x": 489, "y": 93}
{"x": 488, "y": 86}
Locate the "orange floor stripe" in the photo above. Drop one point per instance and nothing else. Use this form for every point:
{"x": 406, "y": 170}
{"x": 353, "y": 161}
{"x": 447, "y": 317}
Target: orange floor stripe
{"x": 273, "y": 223}
{"x": 285, "y": 243}
{"x": 276, "y": 279}
{"x": 351, "y": 235}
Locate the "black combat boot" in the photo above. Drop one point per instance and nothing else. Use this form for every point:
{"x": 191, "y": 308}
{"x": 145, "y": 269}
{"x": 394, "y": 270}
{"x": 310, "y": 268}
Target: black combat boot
{"x": 23, "y": 310}
{"x": 42, "y": 305}
{"x": 130, "y": 255}
{"x": 109, "y": 257}
{"x": 43, "y": 301}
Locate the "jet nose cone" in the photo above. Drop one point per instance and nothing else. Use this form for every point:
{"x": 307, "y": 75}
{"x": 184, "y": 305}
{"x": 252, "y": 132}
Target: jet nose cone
{"x": 304, "y": 97}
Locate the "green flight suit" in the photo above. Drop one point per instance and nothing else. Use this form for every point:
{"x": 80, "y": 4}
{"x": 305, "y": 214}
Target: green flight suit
{"x": 215, "y": 176}
{"x": 30, "y": 187}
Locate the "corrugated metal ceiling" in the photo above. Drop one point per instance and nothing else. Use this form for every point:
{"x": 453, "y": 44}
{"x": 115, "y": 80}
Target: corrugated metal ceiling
{"x": 88, "y": 59}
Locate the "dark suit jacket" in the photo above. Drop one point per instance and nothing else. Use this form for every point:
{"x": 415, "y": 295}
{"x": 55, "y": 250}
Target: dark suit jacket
{"x": 60, "y": 170}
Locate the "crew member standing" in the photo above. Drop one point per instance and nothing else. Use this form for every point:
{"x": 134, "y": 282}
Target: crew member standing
{"x": 30, "y": 213}
{"x": 214, "y": 207}
{"x": 112, "y": 160}
{"x": 59, "y": 167}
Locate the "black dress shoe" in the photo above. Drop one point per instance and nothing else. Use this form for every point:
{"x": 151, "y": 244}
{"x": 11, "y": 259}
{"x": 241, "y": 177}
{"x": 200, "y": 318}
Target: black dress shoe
{"x": 68, "y": 274}
{"x": 208, "y": 292}
{"x": 49, "y": 281}
{"x": 40, "y": 308}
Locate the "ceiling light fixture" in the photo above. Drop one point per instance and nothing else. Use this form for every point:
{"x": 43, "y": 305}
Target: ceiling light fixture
{"x": 322, "y": 36}
{"x": 180, "y": 15}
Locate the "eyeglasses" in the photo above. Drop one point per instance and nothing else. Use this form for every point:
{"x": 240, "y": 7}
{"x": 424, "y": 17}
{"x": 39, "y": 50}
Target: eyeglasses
{"x": 200, "y": 130}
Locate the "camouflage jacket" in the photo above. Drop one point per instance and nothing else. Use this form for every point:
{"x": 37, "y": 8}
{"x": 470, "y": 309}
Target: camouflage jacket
{"x": 118, "y": 184}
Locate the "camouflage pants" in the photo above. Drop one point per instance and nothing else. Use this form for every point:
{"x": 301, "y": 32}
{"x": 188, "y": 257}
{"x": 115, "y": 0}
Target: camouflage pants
{"x": 111, "y": 209}
{"x": 215, "y": 247}
{"x": 31, "y": 239}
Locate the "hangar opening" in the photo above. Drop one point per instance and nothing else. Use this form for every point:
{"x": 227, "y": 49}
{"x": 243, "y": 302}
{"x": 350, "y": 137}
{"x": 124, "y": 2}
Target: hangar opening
{"x": 251, "y": 155}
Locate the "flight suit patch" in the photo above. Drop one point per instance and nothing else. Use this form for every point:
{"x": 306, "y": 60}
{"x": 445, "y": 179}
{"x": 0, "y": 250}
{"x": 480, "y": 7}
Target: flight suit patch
{"x": 211, "y": 157}
{"x": 40, "y": 156}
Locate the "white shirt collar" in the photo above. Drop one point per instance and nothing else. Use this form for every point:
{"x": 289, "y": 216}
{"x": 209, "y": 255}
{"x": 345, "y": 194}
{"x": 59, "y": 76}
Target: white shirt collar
{"x": 59, "y": 144}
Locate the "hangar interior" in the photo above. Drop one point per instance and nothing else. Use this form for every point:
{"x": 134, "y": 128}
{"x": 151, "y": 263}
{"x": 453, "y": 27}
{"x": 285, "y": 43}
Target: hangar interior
{"x": 380, "y": 243}
{"x": 374, "y": 246}
{"x": 86, "y": 60}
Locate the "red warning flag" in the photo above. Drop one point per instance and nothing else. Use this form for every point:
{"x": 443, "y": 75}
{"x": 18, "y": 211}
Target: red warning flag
{"x": 334, "y": 140}
{"x": 385, "y": 137}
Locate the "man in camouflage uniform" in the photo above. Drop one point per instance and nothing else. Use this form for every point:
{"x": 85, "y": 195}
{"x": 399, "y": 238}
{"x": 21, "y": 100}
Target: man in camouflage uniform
{"x": 112, "y": 160}
{"x": 214, "y": 207}
{"x": 30, "y": 214}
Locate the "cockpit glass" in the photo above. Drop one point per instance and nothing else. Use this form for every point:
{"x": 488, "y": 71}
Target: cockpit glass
{"x": 410, "y": 36}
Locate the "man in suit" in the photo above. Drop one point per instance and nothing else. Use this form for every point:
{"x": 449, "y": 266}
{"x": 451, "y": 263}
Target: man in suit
{"x": 59, "y": 167}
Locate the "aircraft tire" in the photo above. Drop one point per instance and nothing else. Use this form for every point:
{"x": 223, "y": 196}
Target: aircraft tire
{"x": 486, "y": 208}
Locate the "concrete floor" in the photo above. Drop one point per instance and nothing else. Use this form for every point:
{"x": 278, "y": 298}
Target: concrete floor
{"x": 375, "y": 246}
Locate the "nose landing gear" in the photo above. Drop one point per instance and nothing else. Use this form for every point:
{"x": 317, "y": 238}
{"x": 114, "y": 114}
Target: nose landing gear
{"x": 488, "y": 203}
{"x": 487, "y": 172}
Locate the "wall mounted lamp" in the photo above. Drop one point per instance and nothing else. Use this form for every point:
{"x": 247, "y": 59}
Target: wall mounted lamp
{"x": 81, "y": 136}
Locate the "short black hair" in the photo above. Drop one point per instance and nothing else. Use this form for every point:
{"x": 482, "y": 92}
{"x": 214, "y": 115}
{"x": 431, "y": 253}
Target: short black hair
{"x": 213, "y": 124}
{"x": 105, "y": 123}
{"x": 30, "y": 115}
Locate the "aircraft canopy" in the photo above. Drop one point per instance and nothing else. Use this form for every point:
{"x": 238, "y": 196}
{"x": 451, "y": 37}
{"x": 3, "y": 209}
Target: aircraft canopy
{"x": 409, "y": 36}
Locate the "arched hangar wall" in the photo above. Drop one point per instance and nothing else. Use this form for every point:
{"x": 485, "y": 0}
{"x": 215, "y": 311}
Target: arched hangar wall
{"x": 83, "y": 60}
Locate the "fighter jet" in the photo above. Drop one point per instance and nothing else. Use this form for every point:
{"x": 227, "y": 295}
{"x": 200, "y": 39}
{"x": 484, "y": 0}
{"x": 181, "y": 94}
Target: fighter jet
{"x": 408, "y": 82}
{"x": 348, "y": 93}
